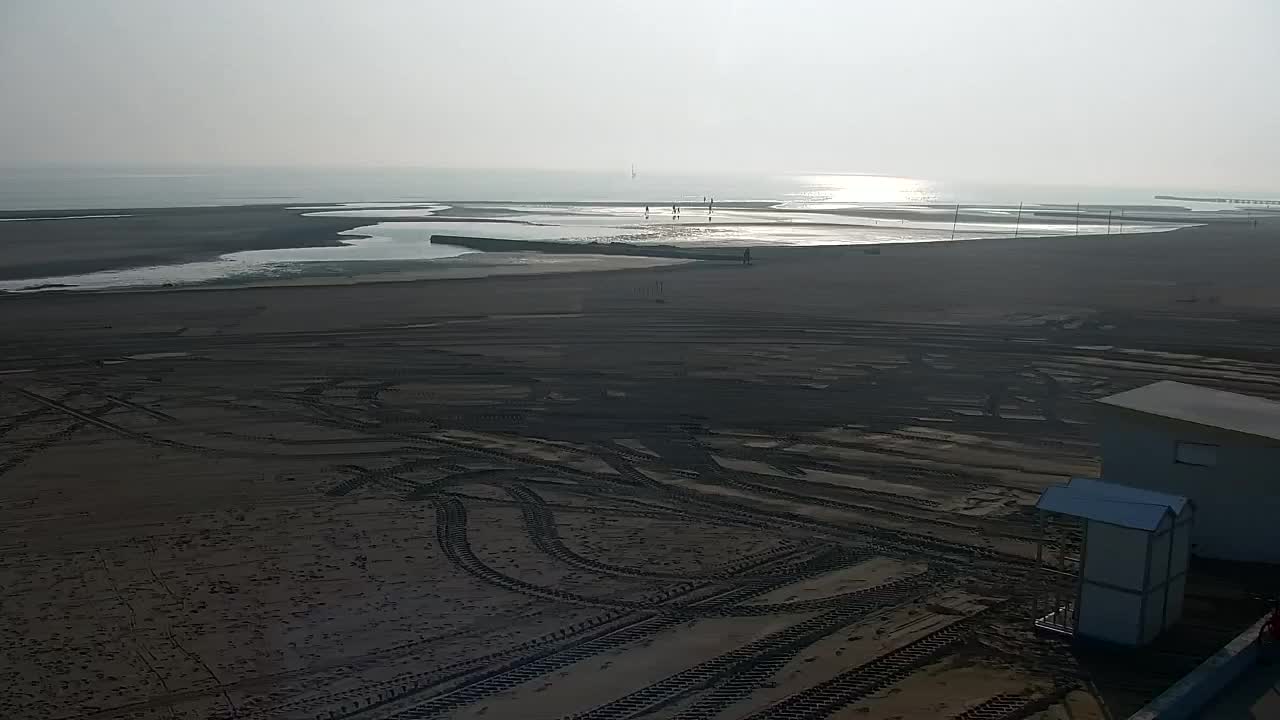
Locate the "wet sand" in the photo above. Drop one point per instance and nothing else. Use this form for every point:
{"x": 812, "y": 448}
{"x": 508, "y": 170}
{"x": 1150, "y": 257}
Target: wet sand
{"x": 695, "y": 491}
{"x": 152, "y": 237}
{"x": 47, "y": 246}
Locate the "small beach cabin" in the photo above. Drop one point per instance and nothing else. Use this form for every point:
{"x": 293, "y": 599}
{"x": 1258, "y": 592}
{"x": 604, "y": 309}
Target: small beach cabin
{"x": 1128, "y": 577}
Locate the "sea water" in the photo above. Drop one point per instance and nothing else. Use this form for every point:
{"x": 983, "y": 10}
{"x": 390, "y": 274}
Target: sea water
{"x": 96, "y": 188}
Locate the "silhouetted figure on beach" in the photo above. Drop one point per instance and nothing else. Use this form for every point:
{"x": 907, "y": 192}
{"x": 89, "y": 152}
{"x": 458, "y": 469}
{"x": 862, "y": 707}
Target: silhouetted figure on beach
{"x": 746, "y": 256}
{"x": 675, "y": 210}
{"x": 646, "y": 212}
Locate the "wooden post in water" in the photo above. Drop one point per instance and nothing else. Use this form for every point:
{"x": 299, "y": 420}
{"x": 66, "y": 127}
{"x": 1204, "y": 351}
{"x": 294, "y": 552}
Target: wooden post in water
{"x": 955, "y": 220}
{"x": 1109, "y": 221}
{"x": 1018, "y": 222}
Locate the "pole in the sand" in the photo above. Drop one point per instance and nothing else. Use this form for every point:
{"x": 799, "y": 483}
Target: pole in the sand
{"x": 955, "y": 220}
{"x": 1109, "y": 221}
{"x": 1017, "y": 222}
{"x": 1077, "y": 218}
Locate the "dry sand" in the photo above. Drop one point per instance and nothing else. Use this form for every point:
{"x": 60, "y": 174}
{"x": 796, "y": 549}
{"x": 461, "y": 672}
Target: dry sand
{"x": 528, "y": 497}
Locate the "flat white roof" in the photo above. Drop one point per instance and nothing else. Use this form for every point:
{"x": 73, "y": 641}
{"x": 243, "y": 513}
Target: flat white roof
{"x": 1201, "y": 406}
{"x": 1110, "y": 503}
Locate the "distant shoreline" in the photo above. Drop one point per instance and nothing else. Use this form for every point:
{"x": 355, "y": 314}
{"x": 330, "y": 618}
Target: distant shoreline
{"x": 48, "y": 248}
{"x": 553, "y": 247}
{"x": 1230, "y": 201}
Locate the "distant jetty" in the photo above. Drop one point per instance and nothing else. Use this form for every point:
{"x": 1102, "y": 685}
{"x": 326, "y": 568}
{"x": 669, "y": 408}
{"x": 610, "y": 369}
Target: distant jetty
{"x": 586, "y": 248}
{"x": 1229, "y": 201}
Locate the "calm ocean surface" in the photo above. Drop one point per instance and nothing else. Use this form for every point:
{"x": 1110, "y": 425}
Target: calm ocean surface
{"x": 48, "y": 189}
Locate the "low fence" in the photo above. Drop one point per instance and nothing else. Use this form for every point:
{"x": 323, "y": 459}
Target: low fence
{"x": 1193, "y": 692}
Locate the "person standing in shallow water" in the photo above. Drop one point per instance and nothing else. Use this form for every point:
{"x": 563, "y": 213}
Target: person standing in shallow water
{"x": 746, "y": 256}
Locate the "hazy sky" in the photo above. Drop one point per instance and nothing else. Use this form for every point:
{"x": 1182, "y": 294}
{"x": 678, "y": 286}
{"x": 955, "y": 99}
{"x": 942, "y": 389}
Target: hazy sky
{"x": 1117, "y": 92}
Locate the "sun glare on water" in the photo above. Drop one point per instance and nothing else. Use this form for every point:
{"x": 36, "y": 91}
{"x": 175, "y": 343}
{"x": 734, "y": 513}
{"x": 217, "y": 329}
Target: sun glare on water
{"x": 867, "y": 189}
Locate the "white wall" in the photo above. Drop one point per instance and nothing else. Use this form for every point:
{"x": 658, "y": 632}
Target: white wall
{"x": 1160, "y": 555}
{"x": 1237, "y": 501}
{"x": 1115, "y": 556}
{"x": 1181, "y": 547}
{"x": 1110, "y": 615}
{"x": 1153, "y": 622}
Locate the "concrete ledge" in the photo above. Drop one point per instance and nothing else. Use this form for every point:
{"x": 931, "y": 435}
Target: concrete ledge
{"x": 1190, "y": 694}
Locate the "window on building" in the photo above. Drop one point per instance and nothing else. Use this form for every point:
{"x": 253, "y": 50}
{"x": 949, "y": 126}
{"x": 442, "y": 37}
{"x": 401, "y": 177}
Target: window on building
{"x": 1188, "y": 453}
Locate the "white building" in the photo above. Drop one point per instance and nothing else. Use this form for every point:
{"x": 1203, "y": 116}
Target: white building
{"x": 1132, "y": 571}
{"x": 1220, "y": 449}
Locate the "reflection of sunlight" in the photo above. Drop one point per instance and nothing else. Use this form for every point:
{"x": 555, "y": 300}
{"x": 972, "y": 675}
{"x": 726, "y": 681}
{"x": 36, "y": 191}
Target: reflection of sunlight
{"x": 869, "y": 189}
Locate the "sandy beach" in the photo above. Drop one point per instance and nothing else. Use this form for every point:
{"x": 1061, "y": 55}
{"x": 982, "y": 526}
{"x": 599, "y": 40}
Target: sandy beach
{"x": 706, "y": 490}
{"x": 628, "y": 360}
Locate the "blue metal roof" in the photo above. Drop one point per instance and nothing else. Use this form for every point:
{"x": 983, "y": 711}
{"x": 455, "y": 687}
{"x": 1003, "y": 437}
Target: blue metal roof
{"x": 1176, "y": 503}
{"x": 1112, "y": 504}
